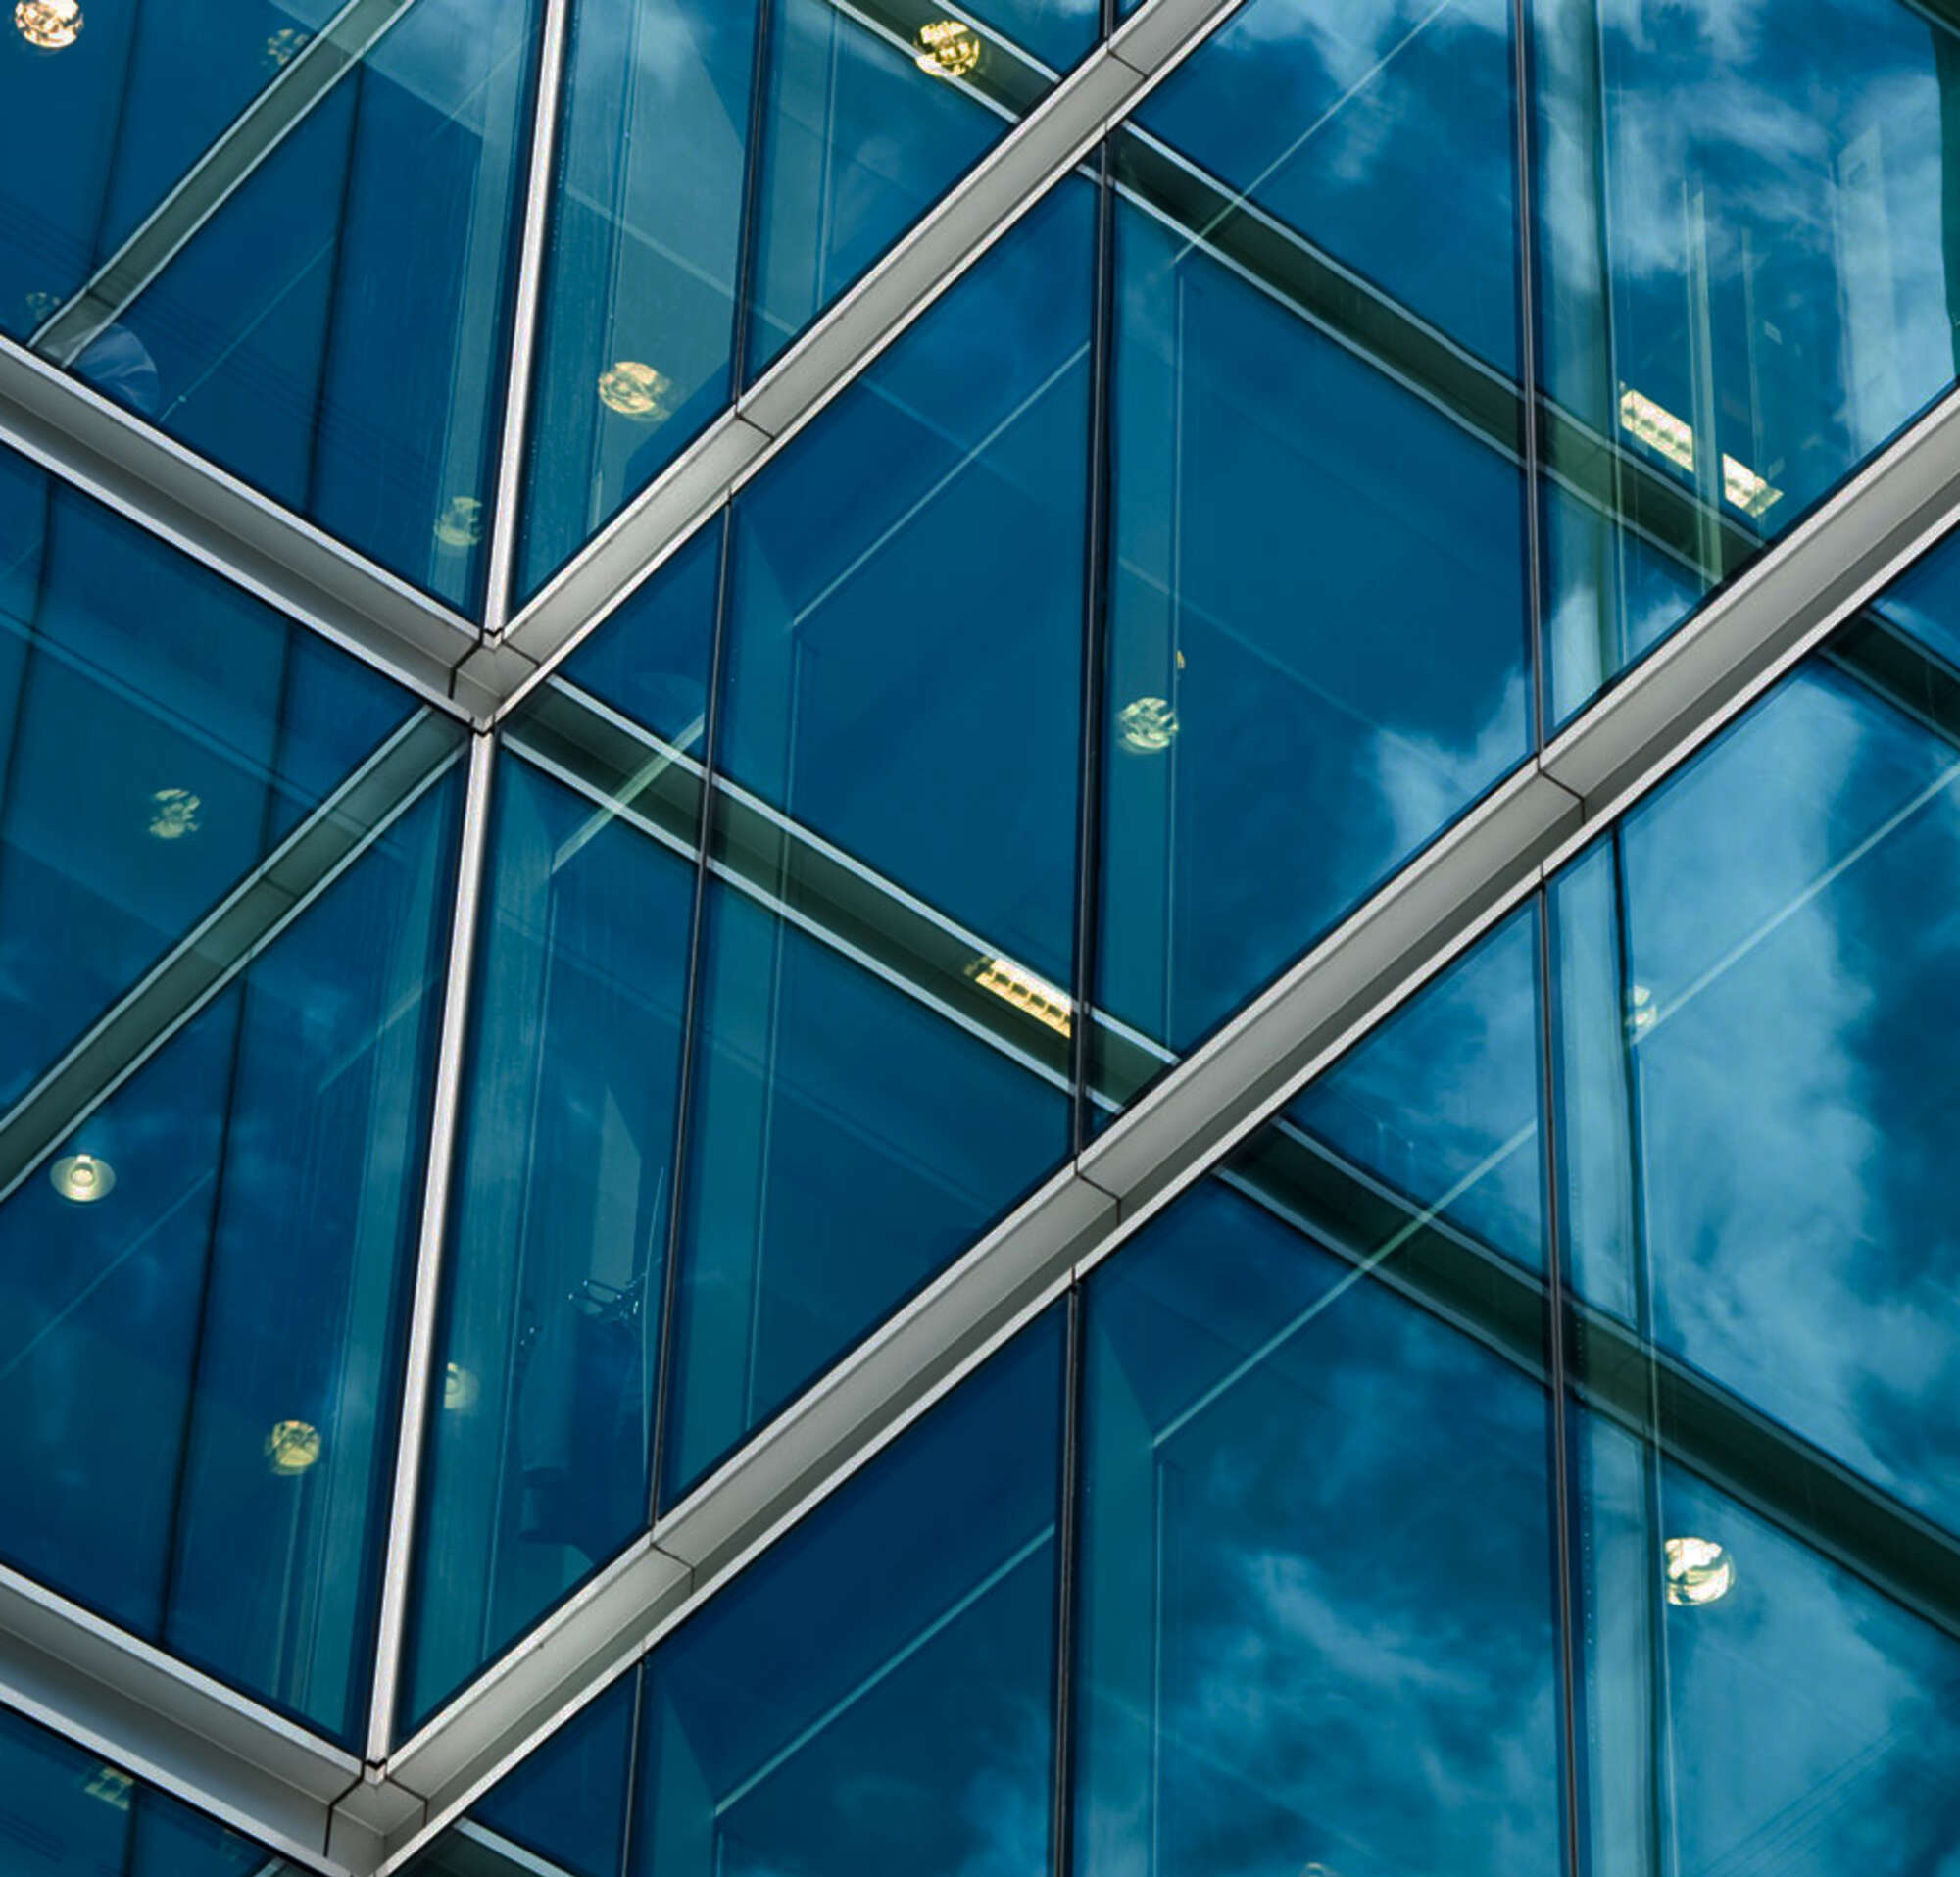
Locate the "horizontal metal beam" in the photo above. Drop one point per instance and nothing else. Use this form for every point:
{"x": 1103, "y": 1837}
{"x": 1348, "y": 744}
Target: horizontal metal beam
{"x": 81, "y": 437}
{"x": 843, "y": 343}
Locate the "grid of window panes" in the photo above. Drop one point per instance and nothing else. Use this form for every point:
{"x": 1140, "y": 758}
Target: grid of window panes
{"x": 1173, "y": 581}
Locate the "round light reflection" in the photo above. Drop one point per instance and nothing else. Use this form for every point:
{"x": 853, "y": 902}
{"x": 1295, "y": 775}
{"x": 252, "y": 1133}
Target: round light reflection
{"x": 173, "y": 814}
{"x": 82, "y": 1177}
{"x": 292, "y": 1447}
{"x": 1698, "y": 1571}
{"x": 49, "y": 25}
{"x": 946, "y": 48}
{"x": 1147, "y": 725}
{"x": 637, "y": 392}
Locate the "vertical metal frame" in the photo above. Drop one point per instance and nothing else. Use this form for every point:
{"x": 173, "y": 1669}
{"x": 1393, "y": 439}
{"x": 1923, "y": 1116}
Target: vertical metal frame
{"x": 418, "y": 1380}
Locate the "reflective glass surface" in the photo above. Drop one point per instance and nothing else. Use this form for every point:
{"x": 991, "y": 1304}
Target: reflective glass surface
{"x": 98, "y": 120}
{"x": 1750, "y": 261}
{"x": 1380, "y": 138}
{"x": 872, "y": 1698}
{"x": 637, "y": 320}
{"x": 1316, "y": 1605}
{"x": 64, "y": 1811}
{"x": 204, "y": 1280}
{"x": 537, "y": 1467}
{"x": 161, "y": 732}
{"x": 337, "y": 338}
{"x": 1313, "y": 662}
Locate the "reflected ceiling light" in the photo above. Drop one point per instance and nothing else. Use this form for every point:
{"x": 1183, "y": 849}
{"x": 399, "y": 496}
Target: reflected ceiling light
{"x": 1669, "y": 436}
{"x": 1642, "y": 1013}
{"x": 1045, "y": 1003}
{"x": 110, "y": 1787}
{"x": 1147, "y": 725}
{"x": 292, "y": 1447}
{"x": 48, "y": 23}
{"x": 286, "y": 45}
{"x": 461, "y": 524}
{"x": 44, "y": 305}
{"x": 946, "y": 48}
{"x": 173, "y": 814}
{"x": 82, "y": 1177}
{"x": 637, "y": 392}
{"x": 460, "y": 1388}
{"x": 1698, "y": 1571}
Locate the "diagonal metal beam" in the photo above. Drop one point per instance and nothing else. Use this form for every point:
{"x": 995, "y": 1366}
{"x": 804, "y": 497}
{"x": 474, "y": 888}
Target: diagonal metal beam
{"x": 843, "y": 343}
{"x": 216, "y": 176}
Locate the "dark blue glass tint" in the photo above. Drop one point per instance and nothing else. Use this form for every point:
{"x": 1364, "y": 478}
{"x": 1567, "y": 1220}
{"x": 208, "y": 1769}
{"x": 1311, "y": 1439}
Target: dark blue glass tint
{"x": 873, "y": 1697}
{"x": 903, "y": 638}
{"x": 161, "y": 731}
{"x": 62, "y": 1810}
{"x": 1750, "y": 237}
{"x": 1315, "y": 1603}
{"x": 538, "y": 1455}
{"x": 651, "y": 660}
{"x": 1315, "y": 659}
{"x": 1756, "y": 982}
{"x": 203, "y": 1283}
{"x": 337, "y": 333}
{"x": 640, "y": 282}
{"x": 853, "y": 1126}
{"x": 1750, "y": 1703}
{"x": 1380, "y": 135}
{"x": 861, "y": 136}
{"x": 1437, "y": 1108}
{"x": 102, "y": 109}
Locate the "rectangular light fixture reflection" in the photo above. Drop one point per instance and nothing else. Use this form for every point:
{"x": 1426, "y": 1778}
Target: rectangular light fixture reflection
{"x": 1035, "y": 996}
{"x": 1664, "y": 433}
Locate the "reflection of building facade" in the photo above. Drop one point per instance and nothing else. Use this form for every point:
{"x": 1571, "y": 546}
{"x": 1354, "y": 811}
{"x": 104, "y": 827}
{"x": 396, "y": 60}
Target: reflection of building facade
{"x": 1010, "y": 941}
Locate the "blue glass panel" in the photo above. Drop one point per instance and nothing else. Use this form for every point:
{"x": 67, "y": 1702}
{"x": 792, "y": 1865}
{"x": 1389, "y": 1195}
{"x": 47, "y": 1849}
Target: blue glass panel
{"x": 903, "y": 665}
{"x": 860, "y": 138}
{"x": 640, "y": 280}
{"x": 1316, "y": 1609}
{"x": 1055, "y": 31}
{"x": 1313, "y": 664}
{"x": 1440, "y": 1103}
{"x": 161, "y": 731}
{"x": 1751, "y": 279}
{"x": 876, "y": 1697}
{"x": 1383, "y": 134}
{"x": 337, "y": 338}
{"x": 1771, "y": 1710}
{"x": 538, "y": 1457}
{"x": 846, "y": 1141}
{"x": 203, "y": 1282}
{"x": 1925, "y": 601}
{"x": 102, "y": 109}
{"x": 62, "y": 1810}
{"x": 651, "y": 660}
{"x": 566, "y": 1803}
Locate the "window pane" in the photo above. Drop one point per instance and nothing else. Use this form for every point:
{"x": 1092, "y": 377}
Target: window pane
{"x": 1313, "y": 664}
{"x": 1750, "y": 279}
{"x": 102, "y": 109}
{"x": 338, "y": 339}
{"x": 550, "y": 1351}
{"x": 62, "y": 1810}
{"x": 1379, "y": 134}
{"x": 640, "y": 282}
{"x": 201, "y": 1443}
{"x": 1316, "y": 1604}
{"x": 905, "y": 630}
{"x": 1756, "y": 981}
{"x": 847, "y": 1137}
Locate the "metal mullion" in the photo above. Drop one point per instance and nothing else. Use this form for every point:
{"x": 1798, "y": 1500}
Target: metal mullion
{"x": 747, "y": 246}
{"x": 418, "y": 1368}
{"x": 1524, "y": 196}
{"x": 1096, "y": 551}
{"x": 690, "y": 1040}
{"x": 525, "y": 314}
{"x": 1068, "y": 1593}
